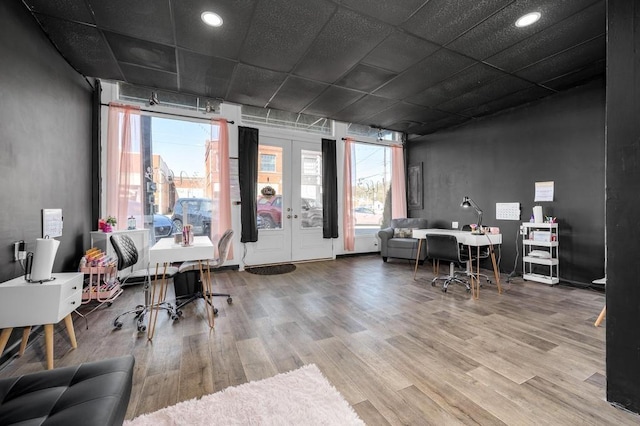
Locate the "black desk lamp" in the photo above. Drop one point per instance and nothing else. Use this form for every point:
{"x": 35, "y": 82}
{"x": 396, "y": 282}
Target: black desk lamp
{"x": 468, "y": 202}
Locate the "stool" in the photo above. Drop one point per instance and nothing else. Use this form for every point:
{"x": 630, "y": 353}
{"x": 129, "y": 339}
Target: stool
{"x": 94, "y": 393}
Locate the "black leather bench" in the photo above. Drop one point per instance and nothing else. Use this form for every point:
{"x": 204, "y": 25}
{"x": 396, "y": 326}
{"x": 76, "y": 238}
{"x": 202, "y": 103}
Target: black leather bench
{"x": 93, "y": 393}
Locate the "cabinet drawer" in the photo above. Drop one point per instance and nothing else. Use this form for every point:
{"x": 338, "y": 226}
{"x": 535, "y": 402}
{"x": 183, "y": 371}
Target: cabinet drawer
{"x": 71, "y": 288}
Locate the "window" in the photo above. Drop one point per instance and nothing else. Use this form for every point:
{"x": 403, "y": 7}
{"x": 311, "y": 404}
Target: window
{"x": 287, "y": 120}
{"x": 371, "y": 194}
{"x": 267, "y": 163}
{"x": 354, "y": 129}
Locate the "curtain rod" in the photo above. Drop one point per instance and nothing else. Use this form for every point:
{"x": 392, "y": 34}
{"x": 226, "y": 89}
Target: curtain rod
{"x": 375, "y": 143}
{"x": 173, "y": 114}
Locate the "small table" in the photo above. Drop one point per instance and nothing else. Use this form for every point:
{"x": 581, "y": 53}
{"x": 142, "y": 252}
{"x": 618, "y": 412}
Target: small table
{"x": 468, "y": 239}
{"x": 165, "y": 252}
{"x": 25, "y": 304}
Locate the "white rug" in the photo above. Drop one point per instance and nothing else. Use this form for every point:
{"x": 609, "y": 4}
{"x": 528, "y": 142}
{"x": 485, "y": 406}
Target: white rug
{"x": 299, "y": 397}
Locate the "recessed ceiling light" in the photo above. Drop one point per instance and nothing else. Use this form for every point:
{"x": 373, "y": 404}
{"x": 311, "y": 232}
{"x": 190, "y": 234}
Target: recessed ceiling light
{"x": 212, "y": 19}
{"x": 528, "y": 19}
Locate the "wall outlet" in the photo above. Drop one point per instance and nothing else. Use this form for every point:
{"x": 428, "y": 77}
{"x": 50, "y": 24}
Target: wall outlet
{"x": 454, "y": 225}
{"x": 523, "y": 231}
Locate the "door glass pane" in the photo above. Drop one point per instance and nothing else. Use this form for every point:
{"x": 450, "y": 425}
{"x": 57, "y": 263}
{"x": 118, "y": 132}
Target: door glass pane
{"x": 270, "y": 185}
{"x": 311, "y": 189}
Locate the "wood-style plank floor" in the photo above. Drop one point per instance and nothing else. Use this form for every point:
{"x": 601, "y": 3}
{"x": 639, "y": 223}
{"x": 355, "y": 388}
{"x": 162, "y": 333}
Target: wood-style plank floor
{"x": 400, "y": 351}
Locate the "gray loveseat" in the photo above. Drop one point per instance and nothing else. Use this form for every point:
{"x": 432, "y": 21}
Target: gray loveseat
{"x": 396, "y": 240}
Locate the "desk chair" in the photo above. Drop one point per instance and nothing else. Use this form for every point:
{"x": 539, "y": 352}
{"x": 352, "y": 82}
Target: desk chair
{"x": 484, "y": 254}
{"x": 446, "y": 248}
{"x": 194, "y": 266}
{"x": 127, "y": 254}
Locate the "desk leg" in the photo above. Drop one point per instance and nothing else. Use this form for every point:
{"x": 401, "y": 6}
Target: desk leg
{"x": 603, "y": 313}
{"x": 25, "y": 339}
{"x": 207, "y": 289}
{"x": 496, "y": 272}
{"x": 4, "y": 338}
{"x": 68, "y": 321}
{"x": 48, "y": 343}
{"x": 153, "y": 312}
{"x": 415, "y": 270}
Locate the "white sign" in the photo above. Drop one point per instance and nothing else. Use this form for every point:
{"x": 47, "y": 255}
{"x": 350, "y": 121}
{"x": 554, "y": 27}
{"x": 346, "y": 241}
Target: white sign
{"x": 544, "y": 191}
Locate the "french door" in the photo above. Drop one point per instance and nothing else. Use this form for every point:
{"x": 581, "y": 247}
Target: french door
{"x": 289, "y": 203}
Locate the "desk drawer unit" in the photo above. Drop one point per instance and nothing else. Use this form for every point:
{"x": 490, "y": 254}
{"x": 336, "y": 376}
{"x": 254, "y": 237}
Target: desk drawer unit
{"x": 23, "y": 303}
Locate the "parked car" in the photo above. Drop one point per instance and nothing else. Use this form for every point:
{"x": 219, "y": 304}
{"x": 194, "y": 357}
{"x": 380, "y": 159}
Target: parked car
{"x": 366, "y": 216}
{"x": 311, "y": 213}
{"x": 199, "y": 214}
{"x": 270, "y": 212}
{"x": 162, "y": 226}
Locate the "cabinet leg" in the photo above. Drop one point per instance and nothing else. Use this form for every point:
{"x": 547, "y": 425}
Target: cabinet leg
{"x": 25, "y": 339}
{"x": 603, "y": 313}
{"x": 48, "y": 342}
{"x": 4, "y": 338}
{"x": 68, "y": 321}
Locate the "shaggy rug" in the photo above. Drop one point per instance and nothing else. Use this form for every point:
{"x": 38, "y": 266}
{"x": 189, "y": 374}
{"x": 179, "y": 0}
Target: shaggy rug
{"x": 299, "y": 397}
{"x": 272, "y": 269}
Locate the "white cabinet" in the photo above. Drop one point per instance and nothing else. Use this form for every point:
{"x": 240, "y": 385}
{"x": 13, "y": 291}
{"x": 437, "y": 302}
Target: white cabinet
{"x": 140, "y": 238}
{"x": 540, "y": 252}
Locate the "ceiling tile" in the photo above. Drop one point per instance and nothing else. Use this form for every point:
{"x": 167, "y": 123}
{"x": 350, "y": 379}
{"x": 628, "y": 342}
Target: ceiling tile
{"x": 399, "y": 51}
{"x": 71, "y": 10}
{"x": 145, "y": 19}
{"x": 404, "y": 112}
{"x": 567, "y": 61}
{"x": 498, "y": 32}
{"x": 225, "y": 41}
{"x": 140, "y": 52}
{"x": 331, "y": 101}
{"x": 365, "y": 78}
{"x": 466, "y": 80}
{"x": 459, "y": 16}
{"x": 253, "y": 86}
{"x": 83, "y": 46}
{"x": 205, "y": 75}
{"x": 391, "y": 11}
{"x": 515, "y": 99}
{"x": 578, "y": 77}
{"x": 437, "y": 67}
{"x": 363, "y": 108}
{"x": 289, "y": 25}
{"x": 296, "y": 93}
{"x": 150, "y": 78}
{"x": 587, "y": 24}
{"x": 346, "y": 39}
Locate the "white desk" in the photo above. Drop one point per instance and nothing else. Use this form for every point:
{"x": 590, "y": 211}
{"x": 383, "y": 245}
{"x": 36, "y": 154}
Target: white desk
{"x": 25, "y": 304}
{"x": 165, "y": 252}
{"x": 468, "y": 239}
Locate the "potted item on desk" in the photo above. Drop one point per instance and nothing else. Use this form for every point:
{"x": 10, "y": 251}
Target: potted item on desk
{"x": 187, "y": 235}
{"x": 108, "y": 224}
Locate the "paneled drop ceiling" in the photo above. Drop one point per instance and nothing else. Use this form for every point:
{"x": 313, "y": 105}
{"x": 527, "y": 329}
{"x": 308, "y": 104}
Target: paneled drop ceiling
{"x": 413, "y": 66}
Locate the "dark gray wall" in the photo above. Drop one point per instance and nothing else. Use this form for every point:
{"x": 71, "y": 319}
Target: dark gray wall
{"x": 45, "y": 135}
{"x": 623, "y": 191}
{"x": 499, "y": 159}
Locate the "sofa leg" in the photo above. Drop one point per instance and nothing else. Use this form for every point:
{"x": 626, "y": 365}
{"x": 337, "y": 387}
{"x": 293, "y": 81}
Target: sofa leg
{"x": 384, "y": 258}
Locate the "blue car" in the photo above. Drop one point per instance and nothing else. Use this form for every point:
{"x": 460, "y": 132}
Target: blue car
{"x": 162, "y": 226}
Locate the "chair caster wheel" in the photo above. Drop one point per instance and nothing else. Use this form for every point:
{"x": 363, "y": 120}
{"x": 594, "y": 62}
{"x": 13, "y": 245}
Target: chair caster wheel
{"x": 433, "y": 284}
{"x": 229, "y": 300}
{"x": 215, "y": 311}
{"x": 444, "y": 290}
{"x": 117, "y": 325}
{"x": 468, "y": 290}
{"x": 179, "y": 314}
{"x": 175, "y": 317}
{"x": 109, "y": 304}
{"x": 142, "y": 328}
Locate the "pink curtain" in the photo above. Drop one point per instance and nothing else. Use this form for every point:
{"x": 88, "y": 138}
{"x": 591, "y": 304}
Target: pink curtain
{"x": 124, "y": 164}
{"x": 220, "y": 216}
{"x": 348, "y": 223}
{"x": 398, "y": 182}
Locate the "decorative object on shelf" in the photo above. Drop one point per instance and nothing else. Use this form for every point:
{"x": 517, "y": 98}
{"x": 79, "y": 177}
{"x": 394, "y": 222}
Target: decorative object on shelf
{"x": 414, "y": 187}
{"x": 108, "y": 224}
{"x": 131, "y": 223}
{"x": 187, "y": 235}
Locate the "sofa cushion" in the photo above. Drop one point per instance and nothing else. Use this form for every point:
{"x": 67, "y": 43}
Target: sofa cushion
{"x": 403, "y": 243}
{"x": 93, "y": 393}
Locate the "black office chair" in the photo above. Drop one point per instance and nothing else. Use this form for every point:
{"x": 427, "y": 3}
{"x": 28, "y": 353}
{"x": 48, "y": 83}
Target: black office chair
{"x": 194, "y": 267}
{"x": 127, "y": 254}
{"x": 446, "y": 248}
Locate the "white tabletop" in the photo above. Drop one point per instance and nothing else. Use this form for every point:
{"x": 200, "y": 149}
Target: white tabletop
{"x": 464, "y": 237}
{"x": 167, "y": 251}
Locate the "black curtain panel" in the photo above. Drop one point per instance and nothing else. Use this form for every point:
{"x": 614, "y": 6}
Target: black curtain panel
{"x": 329, "y": 189}
{"x": 248, "y": 176}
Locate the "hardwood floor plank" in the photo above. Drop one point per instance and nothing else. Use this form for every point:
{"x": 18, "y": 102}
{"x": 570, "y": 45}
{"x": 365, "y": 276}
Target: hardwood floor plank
{"x": 399, "y": 351}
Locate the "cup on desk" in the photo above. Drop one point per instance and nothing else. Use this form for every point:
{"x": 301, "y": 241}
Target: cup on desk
{"x": 177, "y": 238}
{"x": 494, "y": 230}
